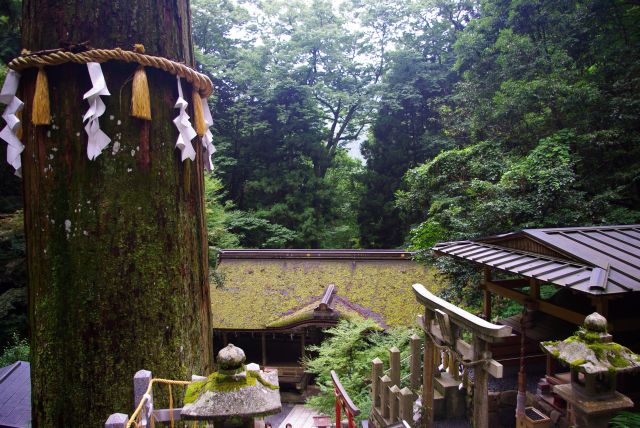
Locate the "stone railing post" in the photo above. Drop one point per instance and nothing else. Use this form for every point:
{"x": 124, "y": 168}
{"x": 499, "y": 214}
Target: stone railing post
{"x": 141, "y": 381}
{"x": 394, "y": 363}
{"x": 394, "y": 411}
{"x": 117, "y": 420}
{"x": 385, "y": 383}
{"x": 415, "y": 371}
{"x": 376, "y": 373}
{"x": 406, "y": 405}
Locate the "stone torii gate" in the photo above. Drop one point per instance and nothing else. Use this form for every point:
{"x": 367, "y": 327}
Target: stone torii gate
{"x": 443, "y": 324}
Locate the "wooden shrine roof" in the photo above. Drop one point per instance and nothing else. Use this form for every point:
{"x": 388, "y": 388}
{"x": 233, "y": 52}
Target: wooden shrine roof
{"x": 266, "y": 289}
{"x": 602, "y": 260}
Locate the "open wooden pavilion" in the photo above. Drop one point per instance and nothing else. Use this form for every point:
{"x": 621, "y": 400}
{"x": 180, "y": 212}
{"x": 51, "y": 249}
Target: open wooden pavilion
{"x": 593, "y": 268}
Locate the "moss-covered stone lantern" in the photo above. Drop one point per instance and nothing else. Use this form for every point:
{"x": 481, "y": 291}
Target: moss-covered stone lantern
{"x": 594, "y": 360}
{"x": 235, "y": 394}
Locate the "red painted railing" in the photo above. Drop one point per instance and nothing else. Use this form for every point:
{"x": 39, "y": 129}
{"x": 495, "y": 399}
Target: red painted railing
{"x": 343, "y": 403}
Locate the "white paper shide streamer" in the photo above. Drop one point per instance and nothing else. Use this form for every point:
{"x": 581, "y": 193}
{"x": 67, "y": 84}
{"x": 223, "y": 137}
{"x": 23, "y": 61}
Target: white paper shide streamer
{"x": 147, "y": 411}
{"x": 8, "y": 133}
{"x": 186, "y": 133}
{"x": 98, "y": 140}
{"x": 207, "y": 139}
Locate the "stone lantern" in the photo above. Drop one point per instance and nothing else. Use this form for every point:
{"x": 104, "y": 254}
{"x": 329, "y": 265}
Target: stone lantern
{"x": 594, "y": 360}
{"x": 235, "y": 394}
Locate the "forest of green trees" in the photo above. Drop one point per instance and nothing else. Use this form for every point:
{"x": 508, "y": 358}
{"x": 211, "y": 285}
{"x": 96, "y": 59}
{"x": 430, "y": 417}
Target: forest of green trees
{"x": 472, "y": 118}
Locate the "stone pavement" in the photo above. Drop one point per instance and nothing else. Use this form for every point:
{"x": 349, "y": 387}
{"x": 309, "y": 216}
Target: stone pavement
{"x": 299, "y": 417}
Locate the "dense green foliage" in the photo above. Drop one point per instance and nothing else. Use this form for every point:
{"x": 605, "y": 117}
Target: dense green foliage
{"x": 349, "y": 350}
{"x": 16, "y": 350}
{"x": 625, "y": 420}
{"x": 544, "y": 119}
{"x": 13, "y": 289}
{"x": 289, "y": 96}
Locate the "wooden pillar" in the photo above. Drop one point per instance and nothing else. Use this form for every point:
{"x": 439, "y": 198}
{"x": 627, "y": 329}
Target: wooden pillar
{"x": 263, "y": 348}
{"x": 302, "y": 344}
{"x": 602, "y": 306}
{"x": 376, "y": 374}
{"x": 385, "y": 384}
{"x": 394, "y": 397}
{"x": 394, "y": 363}
{"x": 406, "y": 405}
{"x": 534, "y": 289}
{"x": 486, "y": 305}
{"x": 486, "y": 294}
{"x": 338, "y": 415}
{"x": 225, "y": 339}
{"x": 453, "y": 366}
{"x": 427, "y": 374}
{"x": 481, "y": 378}
{"x": 415, "y": 362}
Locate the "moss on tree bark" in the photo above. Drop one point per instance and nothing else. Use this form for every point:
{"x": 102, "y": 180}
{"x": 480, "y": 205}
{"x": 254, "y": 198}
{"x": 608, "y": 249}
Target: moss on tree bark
{"x": 116, "y": 247}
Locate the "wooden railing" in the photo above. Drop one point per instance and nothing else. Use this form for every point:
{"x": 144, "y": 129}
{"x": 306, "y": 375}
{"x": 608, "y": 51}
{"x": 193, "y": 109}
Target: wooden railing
{"x": 343, "y": 403}
{"x": 390, "y": 402}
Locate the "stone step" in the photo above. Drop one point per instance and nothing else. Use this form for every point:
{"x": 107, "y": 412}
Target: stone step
{"x": 446, "y": 383}
{"x": 454, "y": 398}
{"x": 299, "y": 417}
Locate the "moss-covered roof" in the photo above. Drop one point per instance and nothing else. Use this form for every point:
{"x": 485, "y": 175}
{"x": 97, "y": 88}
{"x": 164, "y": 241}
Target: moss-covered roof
{"x": 258, "y": 293}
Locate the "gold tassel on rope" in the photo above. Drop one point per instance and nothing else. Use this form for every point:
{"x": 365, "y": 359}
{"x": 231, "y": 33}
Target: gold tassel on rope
{"x": 41, "y": 114}
{"x": 140, "y": 102}
{"x": 201, "y": 126}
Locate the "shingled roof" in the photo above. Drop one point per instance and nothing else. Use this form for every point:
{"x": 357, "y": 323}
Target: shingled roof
{"x": 268, "y": 289}
{"x": 15, "y": 395}
{"x": 594, "y": 260}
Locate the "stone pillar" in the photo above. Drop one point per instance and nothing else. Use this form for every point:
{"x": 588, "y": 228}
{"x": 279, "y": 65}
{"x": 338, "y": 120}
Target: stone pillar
{"x": 394, "y": 396}
{"x": 394, "y": 362}
{"x": 376, "y": 374}
{"x": 117, "y": 420}
{"x": 385, "y": 384}
{"x": 406, "y": 405}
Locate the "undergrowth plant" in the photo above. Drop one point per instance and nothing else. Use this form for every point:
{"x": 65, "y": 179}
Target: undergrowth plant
{"x": 349, "y": 349}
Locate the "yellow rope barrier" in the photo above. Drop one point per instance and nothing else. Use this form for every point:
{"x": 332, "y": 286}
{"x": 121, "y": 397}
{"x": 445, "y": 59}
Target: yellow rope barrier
{"x": 136, "y": 413}
{"x": 200, "y": 82}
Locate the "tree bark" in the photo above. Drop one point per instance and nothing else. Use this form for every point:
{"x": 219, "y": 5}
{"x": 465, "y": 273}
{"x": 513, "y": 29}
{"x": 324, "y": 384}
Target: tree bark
{"x": 116, "y": 247}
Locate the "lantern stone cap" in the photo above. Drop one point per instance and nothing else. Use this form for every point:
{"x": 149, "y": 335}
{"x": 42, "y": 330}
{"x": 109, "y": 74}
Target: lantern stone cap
{"x": 592, "y": 350}
{"x": 235, "y": 390}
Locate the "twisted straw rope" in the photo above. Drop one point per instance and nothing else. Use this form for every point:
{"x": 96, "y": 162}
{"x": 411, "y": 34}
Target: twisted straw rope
{"x": 199, "y": 81}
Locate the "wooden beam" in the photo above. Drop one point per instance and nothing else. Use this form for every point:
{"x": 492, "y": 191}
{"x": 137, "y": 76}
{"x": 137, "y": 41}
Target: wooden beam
{"x": 263, "y": 342}
{"x": 601, "y": 305}
{"x": 512, "y": 283}
{"x": 495, "y": 369}
{"x": 546, "y": 307}
{"x": 489, "y": 332}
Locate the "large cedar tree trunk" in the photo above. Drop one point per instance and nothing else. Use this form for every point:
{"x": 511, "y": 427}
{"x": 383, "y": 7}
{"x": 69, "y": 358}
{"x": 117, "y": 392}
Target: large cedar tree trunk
{"x": 116, "y": 247}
